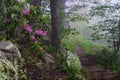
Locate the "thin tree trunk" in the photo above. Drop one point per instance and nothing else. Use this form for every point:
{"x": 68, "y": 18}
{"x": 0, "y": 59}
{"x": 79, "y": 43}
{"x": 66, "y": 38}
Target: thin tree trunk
{"x": 55, "y": 24}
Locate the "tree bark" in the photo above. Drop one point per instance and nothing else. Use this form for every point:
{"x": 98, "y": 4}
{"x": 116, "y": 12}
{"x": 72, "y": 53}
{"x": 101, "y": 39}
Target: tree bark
{"x": 55, "y": 24}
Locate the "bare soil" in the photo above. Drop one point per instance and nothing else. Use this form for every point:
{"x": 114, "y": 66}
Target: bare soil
{"x": 96, "y": 72}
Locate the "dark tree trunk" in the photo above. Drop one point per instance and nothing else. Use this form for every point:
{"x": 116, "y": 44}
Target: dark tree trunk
{"x": 55, "y": 24}
{"x": 37, "y": 2}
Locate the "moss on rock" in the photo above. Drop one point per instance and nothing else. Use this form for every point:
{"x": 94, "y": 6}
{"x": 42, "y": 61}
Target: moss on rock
{"x": 11, "y": 62}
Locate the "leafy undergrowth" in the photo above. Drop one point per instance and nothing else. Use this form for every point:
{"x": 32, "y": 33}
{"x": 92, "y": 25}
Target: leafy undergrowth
{"x": 68, "y": 43}
{"x": 108, "y": 60}
{"x": 89, "y": 46}
{"x": 84, "y": 39}
{"x": 37, "y": 68}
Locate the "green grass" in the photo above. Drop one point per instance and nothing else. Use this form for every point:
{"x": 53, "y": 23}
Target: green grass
{"x": 83, "y": 39}
{"x": 87, "y": 45}
{"x": 68, "y": 44}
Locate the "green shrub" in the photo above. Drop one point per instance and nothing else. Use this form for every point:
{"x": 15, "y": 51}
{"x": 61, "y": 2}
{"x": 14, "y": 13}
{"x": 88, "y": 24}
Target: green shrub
{"x": 108, "y": 59}
{"x": 73, "y": 66}
{"x": 116, "y": 67}
{"x": 105, "y": 57}
{"x": 68, "y": 44}
{"x": 70, "y": 64}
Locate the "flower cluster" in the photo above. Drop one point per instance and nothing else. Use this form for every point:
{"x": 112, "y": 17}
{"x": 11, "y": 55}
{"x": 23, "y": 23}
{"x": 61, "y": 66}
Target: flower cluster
{"x": 26, "y": 12}
{"x": 33, "y": 38}
{"x": 40, "y": 32}
{"x": 19, "y": 14}
{"x": 27, "y": 28}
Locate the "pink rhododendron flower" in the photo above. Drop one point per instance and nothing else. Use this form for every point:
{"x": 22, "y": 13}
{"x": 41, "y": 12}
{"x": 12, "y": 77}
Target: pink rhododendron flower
{"x": 33, "y": 38}
{"x": 6, "y": 20}
{"x": 39, "y": 32}
{"x": 26, "y": 12}
{"x": 44, "y": 34}
{"x": 28, "y": 28}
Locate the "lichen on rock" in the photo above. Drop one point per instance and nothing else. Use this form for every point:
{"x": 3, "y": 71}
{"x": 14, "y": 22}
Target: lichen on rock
{"x": 11, "y": 62}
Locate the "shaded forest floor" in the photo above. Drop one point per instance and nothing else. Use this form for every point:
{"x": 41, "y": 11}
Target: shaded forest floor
{"x": 34, "y": 72}
{"x": 95, "y": 72}
{"x": 38, "y": 69}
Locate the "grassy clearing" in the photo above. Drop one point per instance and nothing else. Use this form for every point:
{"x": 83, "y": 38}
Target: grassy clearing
{"x": 68, "y": 43}
{"x": 87, "y": 45}
{"x": 83, "y": 39}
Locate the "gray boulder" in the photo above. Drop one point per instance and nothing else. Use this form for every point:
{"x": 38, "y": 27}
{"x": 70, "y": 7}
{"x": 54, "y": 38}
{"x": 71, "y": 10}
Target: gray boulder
{"x": 49, "y": 58}
{"x": 73, "y": 66}
{"x": 11, "y": 62}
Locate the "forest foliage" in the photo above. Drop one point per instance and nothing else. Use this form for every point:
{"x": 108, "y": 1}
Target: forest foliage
{"x": 44, "y": 26}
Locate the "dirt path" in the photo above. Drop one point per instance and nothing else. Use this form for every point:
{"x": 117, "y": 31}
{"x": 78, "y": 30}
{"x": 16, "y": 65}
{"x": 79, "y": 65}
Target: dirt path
{"x": 95, "y": 72}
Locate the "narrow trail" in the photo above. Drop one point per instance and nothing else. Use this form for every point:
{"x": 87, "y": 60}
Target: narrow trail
{"x": 95, "y": 72}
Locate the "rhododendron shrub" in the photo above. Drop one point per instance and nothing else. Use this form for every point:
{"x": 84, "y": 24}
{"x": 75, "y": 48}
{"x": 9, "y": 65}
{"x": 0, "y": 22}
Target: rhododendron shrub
{"x": 26, "y": 12}
{"x": 26, "y": 19}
